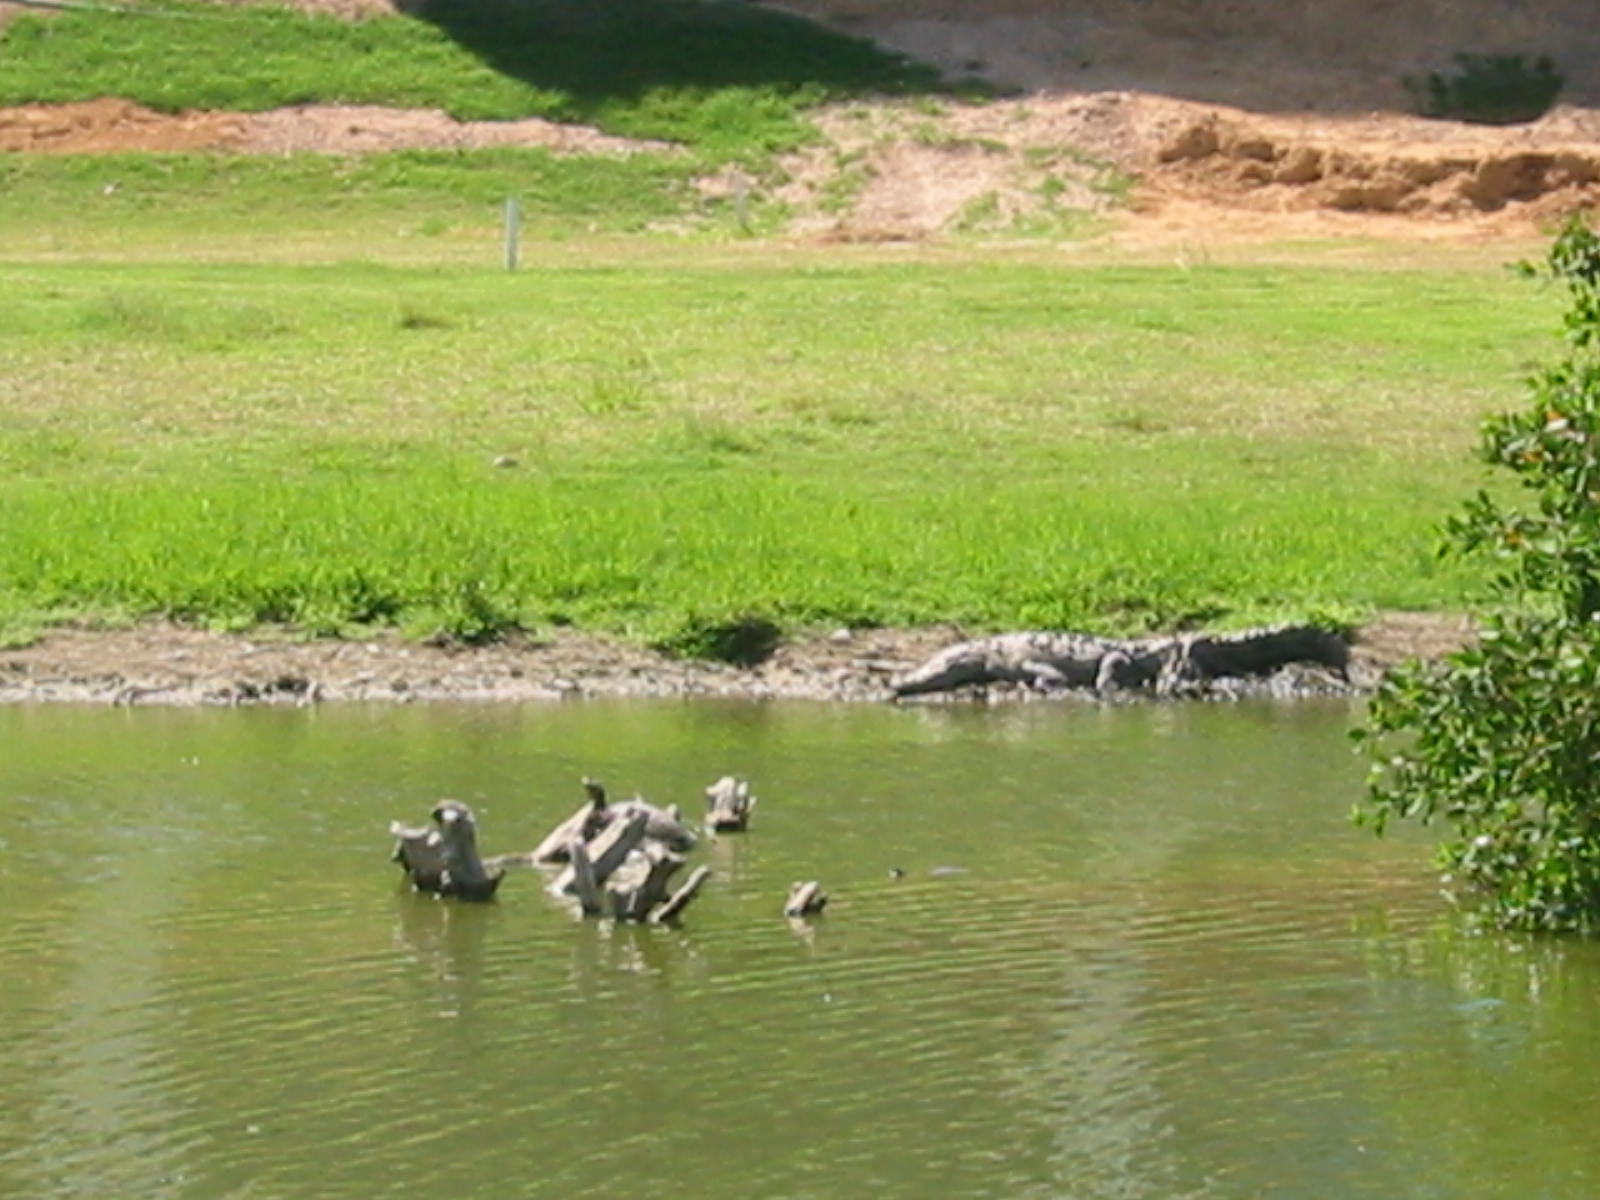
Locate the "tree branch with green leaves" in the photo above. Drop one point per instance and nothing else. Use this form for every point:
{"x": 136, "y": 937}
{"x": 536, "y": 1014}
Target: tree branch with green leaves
{"x": 1501, "y": 740}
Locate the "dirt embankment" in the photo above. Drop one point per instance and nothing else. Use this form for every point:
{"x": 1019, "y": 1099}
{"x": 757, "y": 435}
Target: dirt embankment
{"x": 170, "y": 665}
{"x": 1153, "y": 159}
{"x": 1199, "y": 117}
{"x": 892, "y": 171}
{"x": 110, "y": 125}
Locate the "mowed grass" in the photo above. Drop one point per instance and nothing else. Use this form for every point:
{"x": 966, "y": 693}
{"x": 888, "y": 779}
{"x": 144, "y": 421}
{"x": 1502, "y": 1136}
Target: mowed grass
{"x": 682, "y": 445}
{"x": 411, "y": 205}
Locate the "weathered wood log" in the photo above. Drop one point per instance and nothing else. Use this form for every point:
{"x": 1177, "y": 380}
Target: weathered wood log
{"x": 580, "y": 826}
{"x": 805, "y": 899}
{"x": 664, "y": 825}
{"x": 640, "y": 884}
{"x": 445, "y": 859}
{"x": 583, "y": 882}
{"x": 728, "y": 805}
{"x": 420, "y": 853}
{"x": 683, "y": 897}
{"x": 465, "y": 874}
{"x": 1168, "y": 665}
{"x": 606, "y": 852}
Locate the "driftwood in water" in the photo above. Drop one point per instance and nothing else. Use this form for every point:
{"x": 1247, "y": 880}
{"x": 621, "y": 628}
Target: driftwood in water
{"x": 584, "y": 886}
{"x": 420, "y": 852}
{"x": 663, "y": 824}
{"x": 681, "y": 899}
{"x": 728, "y": 805}
{"x": 580, "y": 826}
{"x": 604, "y": 853}
{"x": 638, "y": 891}
{"x": 805, "y": 899}
{"x": 640, "y": 884}
{"x": 1167, "y": 665}
{"x": 625, "y": 872}
{"x": 445, "y": 859}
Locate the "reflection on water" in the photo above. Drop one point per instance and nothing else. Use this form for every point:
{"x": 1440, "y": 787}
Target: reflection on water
{"x": 1069, "y": 951}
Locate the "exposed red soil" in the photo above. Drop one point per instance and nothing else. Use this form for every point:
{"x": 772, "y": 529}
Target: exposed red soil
{"x": 918, "y": 173}
{"x": 110, "y": 126}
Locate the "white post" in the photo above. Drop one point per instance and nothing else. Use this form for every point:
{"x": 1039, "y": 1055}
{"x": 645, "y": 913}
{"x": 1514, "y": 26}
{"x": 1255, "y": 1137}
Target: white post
{"x": 513, "y": 226}
{"x": 741, "y": 202}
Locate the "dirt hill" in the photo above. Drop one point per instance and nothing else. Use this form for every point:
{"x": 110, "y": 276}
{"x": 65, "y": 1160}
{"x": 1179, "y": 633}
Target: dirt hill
{"x": 1222, "y": 118}
{"x": 1347, "y": 56}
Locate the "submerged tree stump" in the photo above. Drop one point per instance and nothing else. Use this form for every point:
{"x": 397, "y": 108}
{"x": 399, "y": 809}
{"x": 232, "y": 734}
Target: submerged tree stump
{"x": 805, "y": 899}
{"x": 664, "y": 825}
{"x": 625, "y": 873}
{"x": 420, "y": 852}
{"x": 661, "y": 824}
{"x": 445, "y": 859}
{"x": 728, "y": 805}
{"x": 640, "y": 885}
{"x": 603, "y": 854}
{"x": 683, "y": 897}
{"x": 580, "y": 826}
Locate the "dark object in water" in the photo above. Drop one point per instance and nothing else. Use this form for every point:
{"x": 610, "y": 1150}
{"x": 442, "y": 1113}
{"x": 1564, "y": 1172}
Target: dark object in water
{"x": 1188, "y": 664}
{"x": 444, "y": 860}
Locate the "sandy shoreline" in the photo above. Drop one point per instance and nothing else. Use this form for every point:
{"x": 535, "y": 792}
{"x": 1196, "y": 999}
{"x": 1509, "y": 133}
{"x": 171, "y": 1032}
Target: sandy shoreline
{"x": 173, "y": 665}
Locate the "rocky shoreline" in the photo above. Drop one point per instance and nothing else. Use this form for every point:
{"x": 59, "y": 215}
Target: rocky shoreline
{"x": 174, "y": 665}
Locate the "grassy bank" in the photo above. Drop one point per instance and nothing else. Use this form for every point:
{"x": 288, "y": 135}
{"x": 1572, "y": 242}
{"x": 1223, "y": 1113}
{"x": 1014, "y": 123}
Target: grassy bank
{"x": 425, "y": 205}
{"x": 727, "y": 79}
{"x": 998, "y": 444}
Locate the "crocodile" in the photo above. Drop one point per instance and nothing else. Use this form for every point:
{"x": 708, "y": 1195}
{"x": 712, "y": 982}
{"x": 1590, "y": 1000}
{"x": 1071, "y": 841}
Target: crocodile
{"x": 1172, "y": 665}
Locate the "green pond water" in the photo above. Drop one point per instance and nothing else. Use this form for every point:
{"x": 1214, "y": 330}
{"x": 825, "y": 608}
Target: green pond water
{"x": 1135, "y": 952}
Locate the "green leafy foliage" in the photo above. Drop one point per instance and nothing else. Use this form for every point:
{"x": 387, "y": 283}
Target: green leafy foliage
{"x": 1502, "y": 740}
{"x": 1490, "y": 89}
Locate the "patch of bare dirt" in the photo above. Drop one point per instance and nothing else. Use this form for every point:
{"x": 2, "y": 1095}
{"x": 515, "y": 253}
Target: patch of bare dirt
{"x": 1172, "y": 94}
{"x": 1381, "y": 164}
{"x": 165, "y": 664}
{"x": 110, "y": 126}
{"x": 172, "y": 665}
{"x": 914, "y": 170}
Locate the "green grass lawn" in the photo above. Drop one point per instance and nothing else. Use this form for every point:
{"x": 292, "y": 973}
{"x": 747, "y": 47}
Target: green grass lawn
{"x": 1002, "y": 443}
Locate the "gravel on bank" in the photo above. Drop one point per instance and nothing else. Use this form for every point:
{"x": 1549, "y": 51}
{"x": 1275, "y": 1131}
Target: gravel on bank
{"x": 174, "y": 665}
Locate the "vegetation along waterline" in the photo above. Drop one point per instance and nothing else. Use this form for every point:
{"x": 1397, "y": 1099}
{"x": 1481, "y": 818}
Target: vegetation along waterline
{"x": 1501, "y": 740}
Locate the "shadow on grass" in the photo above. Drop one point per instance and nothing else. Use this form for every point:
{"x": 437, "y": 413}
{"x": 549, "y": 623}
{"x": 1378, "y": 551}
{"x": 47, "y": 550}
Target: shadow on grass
{"x": 599, "y": 52}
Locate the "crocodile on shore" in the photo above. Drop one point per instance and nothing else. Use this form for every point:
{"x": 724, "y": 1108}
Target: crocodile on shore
{"x": 1167, "y": 665}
